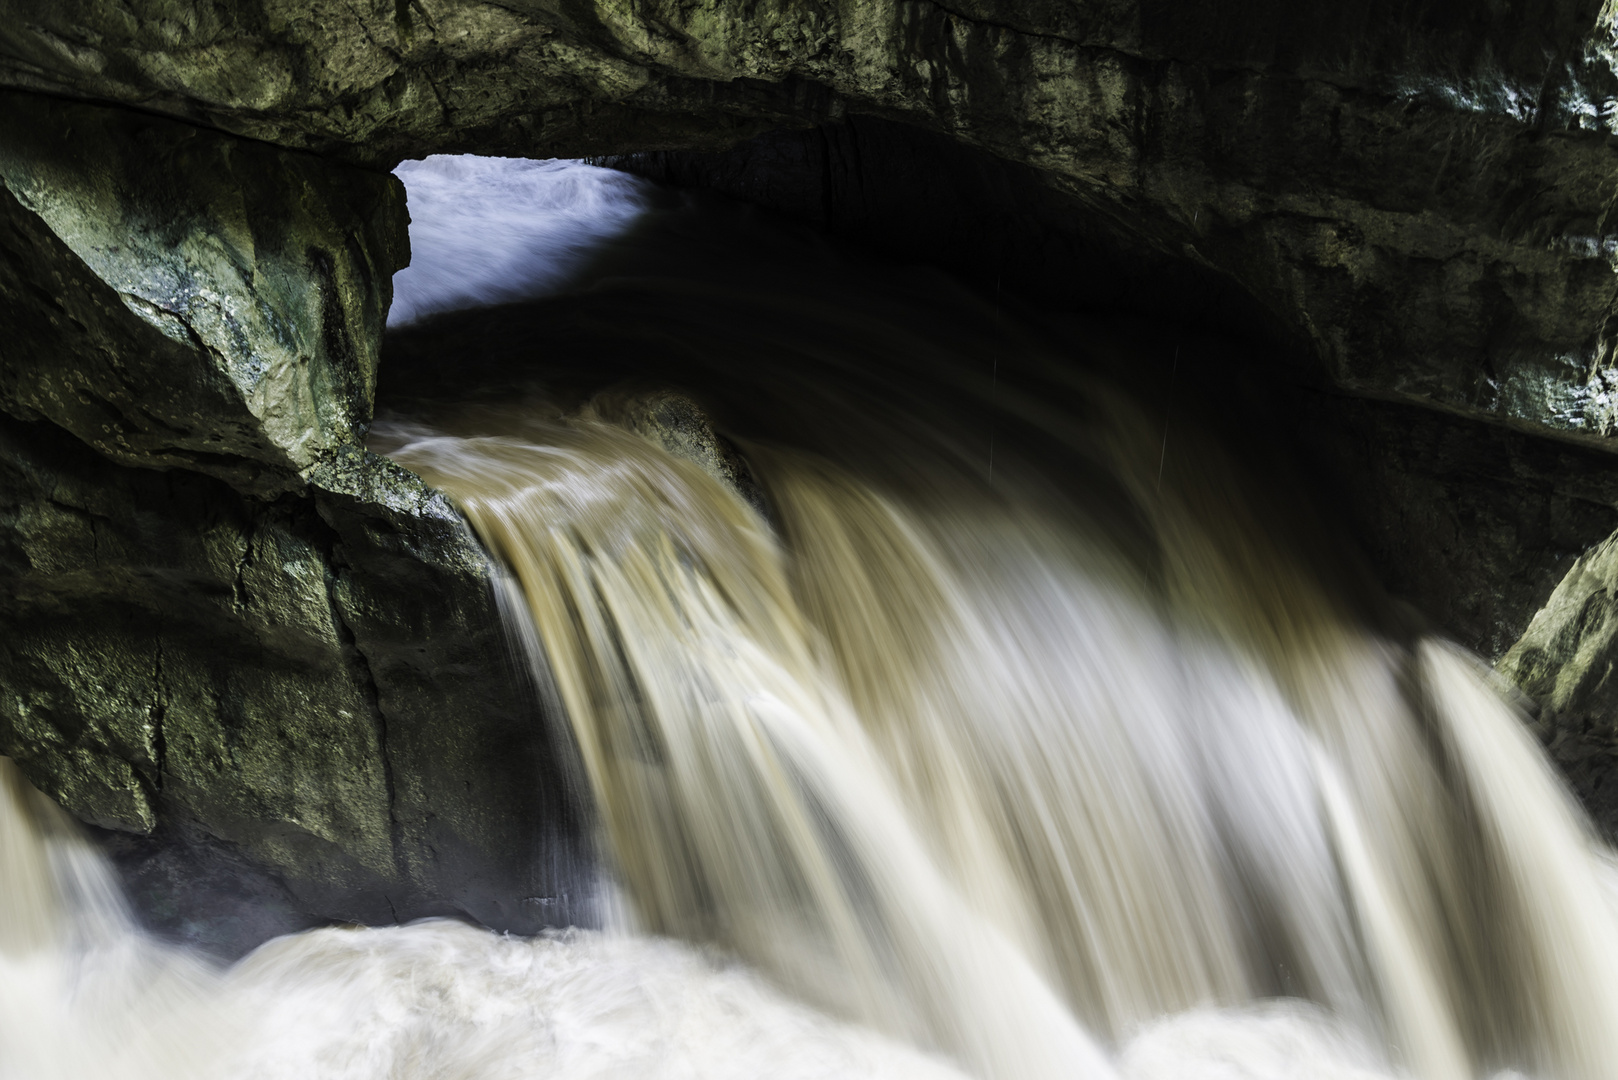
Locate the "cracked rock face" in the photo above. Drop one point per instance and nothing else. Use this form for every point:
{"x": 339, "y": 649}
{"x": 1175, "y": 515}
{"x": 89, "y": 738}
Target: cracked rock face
{"x": 309, "y": 698}
{"x": 267, "y": 661}
{"x": 1421, "y": 193}
{"x": 221, "y": 299}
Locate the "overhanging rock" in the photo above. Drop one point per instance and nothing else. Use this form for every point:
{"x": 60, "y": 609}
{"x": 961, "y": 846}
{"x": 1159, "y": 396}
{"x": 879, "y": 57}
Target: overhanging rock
{"x": 221, "y": 300}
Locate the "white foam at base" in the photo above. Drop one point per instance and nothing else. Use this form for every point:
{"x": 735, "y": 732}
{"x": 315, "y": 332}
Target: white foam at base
{"x": 442, "y": 999}
{"x": 1278, "y": 1040}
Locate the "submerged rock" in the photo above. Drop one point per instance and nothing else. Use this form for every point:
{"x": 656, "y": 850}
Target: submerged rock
{"x": 677, "y": 423}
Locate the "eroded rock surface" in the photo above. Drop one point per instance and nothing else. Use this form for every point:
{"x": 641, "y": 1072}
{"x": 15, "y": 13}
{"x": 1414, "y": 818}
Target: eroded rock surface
{"x": 268, "y": 658}
{"x": 221, "y": 300}
{"x": 1420, "y": 192}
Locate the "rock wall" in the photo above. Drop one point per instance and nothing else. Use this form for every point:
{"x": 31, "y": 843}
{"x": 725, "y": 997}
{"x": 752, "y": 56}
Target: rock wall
{"x": 1420, "y": 192}
{"x": 226, "y": 624}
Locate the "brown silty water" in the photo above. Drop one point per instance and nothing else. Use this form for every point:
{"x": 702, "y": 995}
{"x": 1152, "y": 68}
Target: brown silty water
{"x": 940, "y": 754}
{"x": 940, "y": 715}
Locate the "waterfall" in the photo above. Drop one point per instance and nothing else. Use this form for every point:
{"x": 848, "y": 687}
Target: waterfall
{"x": 932, "y": 727}
{"x": 743, "y": 804}
{"x": 950, "y": 766}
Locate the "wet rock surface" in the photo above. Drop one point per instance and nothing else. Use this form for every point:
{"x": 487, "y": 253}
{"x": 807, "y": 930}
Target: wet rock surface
{"x": 171, "y": 646}
{"x": 312, "y": 693}
{"x": 1564, "y": 661}
{"x": 674, "y": 421}
{"x": 1420, "y": 193}
{"x": 221, "y": 299}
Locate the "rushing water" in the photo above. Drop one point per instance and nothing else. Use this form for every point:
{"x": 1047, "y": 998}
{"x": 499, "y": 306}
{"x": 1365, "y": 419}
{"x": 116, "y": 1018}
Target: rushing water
{"x": 933, "y": 727}
{"x": 494, "y": 230}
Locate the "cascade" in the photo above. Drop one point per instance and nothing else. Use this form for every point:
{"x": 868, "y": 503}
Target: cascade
{"x": 931, "y": 727}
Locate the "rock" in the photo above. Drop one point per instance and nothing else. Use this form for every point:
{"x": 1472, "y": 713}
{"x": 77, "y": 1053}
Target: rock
{"x": 278, "y": 663}
{"x": 677, "y": 423}
{"x": 222, "y": 300}
{"x": 303, "y": 703}
{"x": 1560, "y": 658}
{"x": 1565, "y": 662}
{"x": 1418, "y": 192}
{"x": 313, "y": 691}
{"x": 489, "y": 810}
{"x": 304, "y": 696}
{"x": 1402, "y": 302}
{"x": 169, "y": 641}
{"x": 1473, "y": 525}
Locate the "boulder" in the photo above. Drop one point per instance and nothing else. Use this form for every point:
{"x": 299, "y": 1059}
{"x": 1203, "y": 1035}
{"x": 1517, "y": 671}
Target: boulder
{"x": 222, "y": 300}
{"x": 228, "y": 628}
{"x": 310, "y": 697}
{"x": 1565, "y": 662}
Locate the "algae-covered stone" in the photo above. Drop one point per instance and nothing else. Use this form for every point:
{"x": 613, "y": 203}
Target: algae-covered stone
{"x": 221, "y": 300}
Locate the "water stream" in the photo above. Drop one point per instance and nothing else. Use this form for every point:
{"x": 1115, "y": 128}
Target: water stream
{"x": 933, "y": 727}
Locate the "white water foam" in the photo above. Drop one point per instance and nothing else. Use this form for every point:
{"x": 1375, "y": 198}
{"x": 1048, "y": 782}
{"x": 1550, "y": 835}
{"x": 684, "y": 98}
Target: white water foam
{"x": 489, "y": 231}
